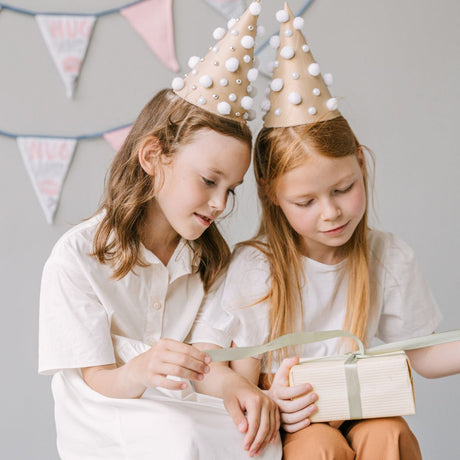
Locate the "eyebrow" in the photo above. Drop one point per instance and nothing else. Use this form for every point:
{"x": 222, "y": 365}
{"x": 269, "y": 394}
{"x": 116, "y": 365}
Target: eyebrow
{"x": 220, "y": 173}
{"x": 306, "y": 195}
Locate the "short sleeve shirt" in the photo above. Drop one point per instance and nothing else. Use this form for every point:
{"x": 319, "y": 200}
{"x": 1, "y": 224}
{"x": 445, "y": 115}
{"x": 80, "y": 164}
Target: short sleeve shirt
{"x": 81, "y": 305}
{"x": 401, "y": 303}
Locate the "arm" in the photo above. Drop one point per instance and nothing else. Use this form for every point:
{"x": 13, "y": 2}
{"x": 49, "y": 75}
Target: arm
{"x": 240, "y": 395}
{"x": 436, "y": 361}
{"x": 149, "y": 369}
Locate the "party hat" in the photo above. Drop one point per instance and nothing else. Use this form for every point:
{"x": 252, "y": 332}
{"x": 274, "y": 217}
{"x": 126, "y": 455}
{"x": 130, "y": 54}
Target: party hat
{"x": 221, "y": 82}
{"x": 298, "y": 92}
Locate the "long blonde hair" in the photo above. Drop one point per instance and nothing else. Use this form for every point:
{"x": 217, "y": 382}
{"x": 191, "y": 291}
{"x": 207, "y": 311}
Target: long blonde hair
{"x": 129, "y": 188}
{"x": 277, "y": 151}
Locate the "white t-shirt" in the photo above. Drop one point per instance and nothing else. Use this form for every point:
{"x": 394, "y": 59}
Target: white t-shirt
{"x": 81, "y": 306}
{"x": 401, "y": 303}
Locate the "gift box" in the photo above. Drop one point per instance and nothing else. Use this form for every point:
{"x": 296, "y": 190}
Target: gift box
{"x": 358, "y": 386}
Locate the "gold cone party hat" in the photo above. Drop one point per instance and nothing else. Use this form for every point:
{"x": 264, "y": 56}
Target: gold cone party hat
{"x": 298, "y": 93}
{"x": 221, "y": 82}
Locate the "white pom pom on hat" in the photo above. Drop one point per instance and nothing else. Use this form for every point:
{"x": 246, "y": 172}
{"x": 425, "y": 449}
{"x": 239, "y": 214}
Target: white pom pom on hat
{"x": 232, "y": 64}
{"x": 193, "y": 61}
{"x": 255, "y": 8}
{"x": 218, "y": 33}
{"x": 177, "y": 84}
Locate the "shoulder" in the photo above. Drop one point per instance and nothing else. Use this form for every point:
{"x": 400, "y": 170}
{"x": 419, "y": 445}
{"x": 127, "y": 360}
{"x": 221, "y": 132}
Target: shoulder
{"x": 251, "y": 255}
{"x": 76, "y": 242}
{"x": 390, "y": 253}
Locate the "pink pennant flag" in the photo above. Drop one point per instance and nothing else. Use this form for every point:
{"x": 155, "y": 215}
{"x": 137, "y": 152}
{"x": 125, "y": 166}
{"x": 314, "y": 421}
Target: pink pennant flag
{"x": 117, "y": 137}
{"x": 228, "y": 8}
{"x": 153, "y": 21}
{"x": 67, "y": 39}
{"x": 47, "y": 161}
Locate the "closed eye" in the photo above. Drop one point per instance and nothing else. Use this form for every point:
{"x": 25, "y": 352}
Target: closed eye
{"x": 208, "y": 182}
{"x": 305, "y": 204}
{"x": 345, "y": 190}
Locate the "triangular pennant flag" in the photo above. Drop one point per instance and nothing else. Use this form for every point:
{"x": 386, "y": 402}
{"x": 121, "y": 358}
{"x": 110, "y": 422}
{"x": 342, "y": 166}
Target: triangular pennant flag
{"x": 67, "y": 39}
{"x": 228, "y": 8}
{"x": 47, "y": 161}
{"x": 153, "y": 21}
{"x": 117, "y": 137}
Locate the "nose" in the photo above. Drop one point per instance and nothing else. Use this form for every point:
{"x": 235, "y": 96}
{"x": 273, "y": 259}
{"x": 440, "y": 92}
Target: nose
{"x": 218, "y": 201}
{"x": 330, "y": 210}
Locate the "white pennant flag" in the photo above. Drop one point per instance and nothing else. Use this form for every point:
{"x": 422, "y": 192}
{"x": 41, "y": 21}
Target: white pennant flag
{"x": 67, "y": 39}
{"x": 229, "y": 8}
{"x": 47, "y": 161}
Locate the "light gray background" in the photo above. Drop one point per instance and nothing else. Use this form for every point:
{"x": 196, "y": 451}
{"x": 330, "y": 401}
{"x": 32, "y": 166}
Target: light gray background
{"x": 396, "y": 64}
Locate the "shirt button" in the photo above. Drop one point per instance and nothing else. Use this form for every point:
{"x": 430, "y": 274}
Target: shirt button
{"x": 157, "y": 305}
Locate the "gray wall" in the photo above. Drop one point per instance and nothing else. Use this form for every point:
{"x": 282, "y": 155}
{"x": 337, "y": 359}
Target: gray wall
{"x": 395, "y": 63}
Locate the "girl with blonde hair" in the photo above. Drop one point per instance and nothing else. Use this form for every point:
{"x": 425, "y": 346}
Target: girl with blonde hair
{"x": 120, "y": 291}
{"x": 315, "y": 265}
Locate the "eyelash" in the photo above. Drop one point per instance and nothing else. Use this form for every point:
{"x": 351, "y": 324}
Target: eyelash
{"x": 345, "y": 190}
{"x": 211, "y": 183}
{"x": 308, "y": 203}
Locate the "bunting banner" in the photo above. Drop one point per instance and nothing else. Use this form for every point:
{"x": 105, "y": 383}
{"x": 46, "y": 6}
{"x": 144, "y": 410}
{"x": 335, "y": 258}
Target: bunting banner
{"x": 67, "y": 35}
{"x": 116, "y": 137}
{"x": 47, "y": 161}
{"x": 228, "y": 8}
{"x": 153, "y": 21}
{"x": 67, "y": 39}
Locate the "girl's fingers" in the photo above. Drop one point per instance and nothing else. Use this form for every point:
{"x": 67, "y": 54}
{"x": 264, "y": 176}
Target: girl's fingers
{"x": 295, "y": 417}
{"x": 282, "y": 374}
{"x": 253, "y": 417}
{"x": 182, "y": 372}
{"x": 297, "y": 404}
{"x": 182, "y": 360}
{"x": 292, "y": 428}
{"x": 160, "y": 381}
{"x": 179, "y": 347}
{"x": 263, "y": 432}
{"x": 288, "y": 393}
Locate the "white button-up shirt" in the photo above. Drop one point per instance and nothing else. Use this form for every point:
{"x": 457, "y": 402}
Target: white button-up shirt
{"x": 81, "y": 306}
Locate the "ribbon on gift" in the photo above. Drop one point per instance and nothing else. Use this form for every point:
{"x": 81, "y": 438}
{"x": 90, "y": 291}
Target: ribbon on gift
{"x": 351, "y": 369}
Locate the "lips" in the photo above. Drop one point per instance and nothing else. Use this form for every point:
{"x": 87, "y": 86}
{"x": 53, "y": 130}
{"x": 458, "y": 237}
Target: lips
{"x": 336, "y": 230}
{"x": 205, "y": 220}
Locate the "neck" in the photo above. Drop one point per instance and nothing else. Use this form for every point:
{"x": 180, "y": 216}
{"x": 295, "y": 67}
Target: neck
{"x": 326, "y": 255}
{"x": 156, "y": 233}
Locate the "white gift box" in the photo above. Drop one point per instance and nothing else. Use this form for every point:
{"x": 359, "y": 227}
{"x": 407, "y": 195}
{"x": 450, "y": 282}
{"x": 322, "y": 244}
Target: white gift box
{"x": 368, "y": 387}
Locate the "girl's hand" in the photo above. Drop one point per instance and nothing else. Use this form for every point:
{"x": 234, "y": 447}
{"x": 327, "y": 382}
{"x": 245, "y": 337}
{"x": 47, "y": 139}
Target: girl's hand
{"x": 262, "y": 421}
{"x": 168, "y": 357}
{"x": 294, "y": 412}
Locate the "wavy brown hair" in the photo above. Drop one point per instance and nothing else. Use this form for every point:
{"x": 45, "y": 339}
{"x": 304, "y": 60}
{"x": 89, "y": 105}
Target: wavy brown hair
{"x": 277, "y": 151}
{"x": 129, "y": 188}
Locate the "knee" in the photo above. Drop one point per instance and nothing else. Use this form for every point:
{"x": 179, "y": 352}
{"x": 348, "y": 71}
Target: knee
{"x": 318, "y": 441}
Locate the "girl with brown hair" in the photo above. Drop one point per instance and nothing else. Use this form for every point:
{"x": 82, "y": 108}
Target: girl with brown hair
{"x": 120, "y": 291}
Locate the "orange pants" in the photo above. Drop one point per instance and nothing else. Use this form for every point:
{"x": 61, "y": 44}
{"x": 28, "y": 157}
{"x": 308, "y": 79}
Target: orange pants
{"x": 372, "y": 439}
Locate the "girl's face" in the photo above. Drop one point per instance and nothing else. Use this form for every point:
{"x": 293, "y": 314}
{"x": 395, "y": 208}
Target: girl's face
{"x": 324, "y": 200}
{"x": 199, "y": 179}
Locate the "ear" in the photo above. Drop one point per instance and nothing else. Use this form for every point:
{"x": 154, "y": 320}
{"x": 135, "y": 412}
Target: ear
{"x": 361, "y": 159}
{"x": 149, "y": 154}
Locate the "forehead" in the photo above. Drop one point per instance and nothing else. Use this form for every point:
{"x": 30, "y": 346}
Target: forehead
{"x": 212, "y": 150}
{"x": 317, "y": 172}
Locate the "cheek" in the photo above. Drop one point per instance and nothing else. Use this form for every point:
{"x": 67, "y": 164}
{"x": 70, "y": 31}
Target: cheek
{"x": 357, "y": 204}
{"x": 302, "y": 220}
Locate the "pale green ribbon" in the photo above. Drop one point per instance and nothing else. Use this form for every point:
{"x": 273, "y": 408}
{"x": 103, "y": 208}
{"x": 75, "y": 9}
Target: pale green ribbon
{"x": 351, "y": 371}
